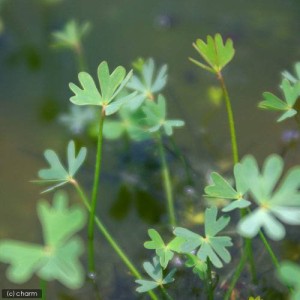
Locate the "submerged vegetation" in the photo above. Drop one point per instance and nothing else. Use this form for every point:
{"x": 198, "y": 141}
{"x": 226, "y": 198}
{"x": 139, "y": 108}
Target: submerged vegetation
{"x": 132, "y": 106}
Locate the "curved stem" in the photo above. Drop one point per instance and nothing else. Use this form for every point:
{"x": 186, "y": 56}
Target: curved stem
{"x": 167, "y": 181}
{"x": 234, "y": 146}
{"x": 80, "y": 58}
{"x": 236, "y": 275}
{"x": 91, "y": 225}
{"x": 109, "y": 238}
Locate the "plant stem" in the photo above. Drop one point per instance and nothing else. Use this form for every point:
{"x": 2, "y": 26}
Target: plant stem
{"x": 269, "y": 249}
{"x": 80, "y": 58}
{"x": 210, "y": 292}
{"x": 167, "y": 181}
{"x": 235, "y": 153}
{"x": 166, "y": 294}
{"x": 236, "y": 275}
{"x": 43, "y": 286}
{"x": 109, "y": 238}
{"x": 91, "y": 225}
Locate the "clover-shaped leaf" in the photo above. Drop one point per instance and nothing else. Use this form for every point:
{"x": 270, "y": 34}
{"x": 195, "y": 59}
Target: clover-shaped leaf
{"x": 211, "y": 246}
{"x": 272, "y": 102}
{"x": 132, "y": 123}
{"x": 293, "y": 79}
{"x": 155, "y": 272}
{"x": 58, "y": 258}
{"x": 222, "y": 189}
{"x": 289, "y": 274}
{"x": 156, "y": 116}
{"x": 163, "y": 251}
{"x": 110, "y": 86}
{"x": 147, "y": 84}
{"x": 215, "y": 53}
{"x": 70, "y": 36}
{"x": 57, "y": 172}
{"x": 199, "y": 266}
{"x": 275, "y": 201}
{"x": 78, "y": 118}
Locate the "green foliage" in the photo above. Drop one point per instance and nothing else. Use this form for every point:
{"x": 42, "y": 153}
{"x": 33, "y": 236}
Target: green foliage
{"x": 293, "y": 79}
{"x": 71, "y": 35}
{"x": 110, "y": 86}
{"x": 147, "y": 84}
{"x": 214, "y": 52}
{"x": 58, "y": 258}
{"x": 289, "y": 274}
{"x": 156, "y": 116}
{"x": 156, "y": 273}
{"x": 222, "y": 189}
{"x": 199, "y": 266}
{"x": 131, "y": 123}
{"x": 57, "y": 172}
{"x": 163, "y": 251}
{"x": 211, "y": 246}
{"x": 78, "y": 118}
{"x": 272, "y": 102}
{"x": 275, "y": 201}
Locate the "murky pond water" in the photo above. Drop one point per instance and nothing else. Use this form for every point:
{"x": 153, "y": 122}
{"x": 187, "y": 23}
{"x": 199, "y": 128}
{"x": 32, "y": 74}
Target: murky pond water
{"x": 34, "y": 89}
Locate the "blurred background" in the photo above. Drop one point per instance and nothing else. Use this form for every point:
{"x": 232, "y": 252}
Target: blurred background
{"x": 34, "y": 80}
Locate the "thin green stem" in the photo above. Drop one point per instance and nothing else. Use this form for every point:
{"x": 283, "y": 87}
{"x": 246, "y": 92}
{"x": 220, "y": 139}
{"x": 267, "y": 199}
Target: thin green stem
{"x": 109, "y": 238}
{"x": 236, "y": 275}
{"x": 234, "y": 146}
{"x": 43, "y": 287}
{"x": 210, "y": 292}
{"x": 80, "y": 58}
{"x": 269, "y": 249}
{"x": 91, "y": 225}
{"x": 167, "y": 181}
{"x": 166, "y": 294}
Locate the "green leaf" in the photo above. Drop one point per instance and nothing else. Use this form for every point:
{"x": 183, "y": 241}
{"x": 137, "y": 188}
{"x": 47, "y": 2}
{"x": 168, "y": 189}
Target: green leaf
{"x": 275, "y": 201}
{"x": 147, "y": 84}
{"x": 163, "y": 251}
{"x": 199, "y": 266}
{"x": 57, "y": 172}
{"x": 289, "y": 274}
{"x": 154, "y": 270}
{"x": 110, "y": 86}
{"x": 293, "y": 79}
{"x": 71, "y": 35}
{"x": 156, "y": 116}
{"x": 272, "y": 102}
{"x": 211, "y": 246}
{"x": 215, "y": 53}
{"x": 222, "y": 189}
{"x": 58, "y": 258}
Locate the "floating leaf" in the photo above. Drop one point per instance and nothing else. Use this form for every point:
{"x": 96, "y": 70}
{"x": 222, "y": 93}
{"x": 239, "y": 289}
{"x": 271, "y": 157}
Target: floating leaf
{"x": 57, "y": 172}
{"x": 272, "y": 102}
{"x": 275, "y": 201}
{"x": 215, "y": 53}
{"x": 222, "y": 189}
{"x": 147, "y": 84}
{"x": 155, "y": 272}
{"x": 58, "y": 258}
{"x": 156, "y": 116}
{"x": 163, "y": 251}
{"x": 70, "y": 36}
{"x": 211, "y": 246}
{"x": 110, "y": 86}
{"x": 289, "y": 274}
